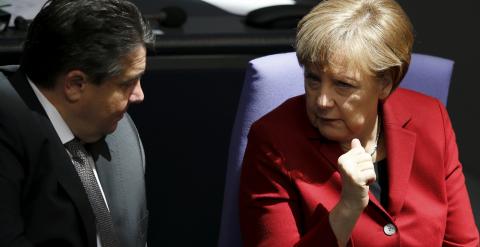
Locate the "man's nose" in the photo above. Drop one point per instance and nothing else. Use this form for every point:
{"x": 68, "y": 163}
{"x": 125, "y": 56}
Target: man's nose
{"x": 137, "y": 95}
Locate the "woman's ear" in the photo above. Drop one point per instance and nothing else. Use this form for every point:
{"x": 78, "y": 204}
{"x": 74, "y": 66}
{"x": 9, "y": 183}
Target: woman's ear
{"x": 74, "y": 84}
{"x": 386, "y": 86}
{"x": 386, "y": 89}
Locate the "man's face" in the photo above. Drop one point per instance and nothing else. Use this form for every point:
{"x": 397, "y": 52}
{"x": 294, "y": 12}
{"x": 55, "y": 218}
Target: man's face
{"x": 104, "y": 105}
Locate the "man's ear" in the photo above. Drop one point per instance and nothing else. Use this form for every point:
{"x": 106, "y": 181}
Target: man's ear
{"x": 74, "y": 84}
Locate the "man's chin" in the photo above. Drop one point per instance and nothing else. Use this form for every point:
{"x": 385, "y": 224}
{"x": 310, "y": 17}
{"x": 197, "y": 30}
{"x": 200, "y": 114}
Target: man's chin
{"x": 92, "y": 139}
{"x": 100, "y": 133}
{"x": 112, "y": 128}
{"x": 109, "y": 129}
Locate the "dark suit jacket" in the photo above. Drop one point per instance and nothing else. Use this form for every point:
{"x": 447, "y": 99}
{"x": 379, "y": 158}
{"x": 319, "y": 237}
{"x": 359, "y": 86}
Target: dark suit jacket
{"x": 290, "y": 181}
{"x": 43, "y": 202}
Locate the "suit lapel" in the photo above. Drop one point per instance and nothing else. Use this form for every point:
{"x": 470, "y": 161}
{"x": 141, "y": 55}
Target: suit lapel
{"x": 400, "y": 145}
{"x": 400, "y": 150}
{"x": 64, "y": 169}
{"x": 23, "y": 88}
{"x": 119, "y": 162}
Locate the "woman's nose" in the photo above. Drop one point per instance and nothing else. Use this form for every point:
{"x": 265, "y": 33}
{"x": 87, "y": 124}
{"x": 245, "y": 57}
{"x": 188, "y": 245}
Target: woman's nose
{"x": 324, "y": 99}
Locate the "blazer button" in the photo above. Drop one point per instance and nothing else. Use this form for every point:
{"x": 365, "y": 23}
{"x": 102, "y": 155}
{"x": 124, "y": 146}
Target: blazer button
{"x": 389, "y": 229}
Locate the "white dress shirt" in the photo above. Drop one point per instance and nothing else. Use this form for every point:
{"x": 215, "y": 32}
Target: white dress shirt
{"x": 64, "y": 133}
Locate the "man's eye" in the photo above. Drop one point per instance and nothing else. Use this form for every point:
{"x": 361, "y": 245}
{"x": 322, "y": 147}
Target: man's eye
{"x": 129, "y": 83}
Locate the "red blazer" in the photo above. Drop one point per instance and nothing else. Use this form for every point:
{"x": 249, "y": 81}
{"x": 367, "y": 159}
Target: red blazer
{"x": 290, "y": 182}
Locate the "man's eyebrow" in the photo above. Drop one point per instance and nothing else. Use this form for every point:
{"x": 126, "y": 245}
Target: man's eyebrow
{"x": 134, "y": 77}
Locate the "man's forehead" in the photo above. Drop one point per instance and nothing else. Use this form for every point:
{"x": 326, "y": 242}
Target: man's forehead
{"x": 135, "y": 61}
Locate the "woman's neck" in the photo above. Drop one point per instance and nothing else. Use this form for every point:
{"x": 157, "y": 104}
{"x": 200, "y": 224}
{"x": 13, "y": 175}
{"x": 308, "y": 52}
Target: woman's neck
{"x": 371, "y": 142}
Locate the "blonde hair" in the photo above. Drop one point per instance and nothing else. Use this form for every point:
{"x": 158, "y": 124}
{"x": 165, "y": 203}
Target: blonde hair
{"x": 374, "y": 37}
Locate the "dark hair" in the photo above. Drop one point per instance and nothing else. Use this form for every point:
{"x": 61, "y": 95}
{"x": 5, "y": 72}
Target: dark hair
{"x": 90, "y": 35}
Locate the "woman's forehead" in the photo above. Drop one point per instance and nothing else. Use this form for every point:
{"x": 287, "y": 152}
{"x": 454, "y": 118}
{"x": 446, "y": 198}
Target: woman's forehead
{"x": 340, "y": 71}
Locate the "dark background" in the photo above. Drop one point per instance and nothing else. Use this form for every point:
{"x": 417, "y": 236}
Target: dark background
{"x": 193, "y": 84}
{"x": 193, "y": 108}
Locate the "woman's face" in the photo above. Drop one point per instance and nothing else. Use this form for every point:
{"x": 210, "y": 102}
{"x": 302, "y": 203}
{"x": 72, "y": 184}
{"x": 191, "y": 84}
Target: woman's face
{"x": 342, "y": 104}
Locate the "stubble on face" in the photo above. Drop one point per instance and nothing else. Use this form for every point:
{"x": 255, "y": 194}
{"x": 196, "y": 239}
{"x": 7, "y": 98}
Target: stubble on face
{"x": 108, "y": 102}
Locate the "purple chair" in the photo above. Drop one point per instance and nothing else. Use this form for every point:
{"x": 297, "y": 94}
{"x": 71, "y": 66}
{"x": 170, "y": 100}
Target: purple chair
{"x": 269, "y": 81}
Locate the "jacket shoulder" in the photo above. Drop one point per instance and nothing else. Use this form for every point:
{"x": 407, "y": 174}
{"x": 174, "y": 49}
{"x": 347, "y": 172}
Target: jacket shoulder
{"x": 285, "y": 116}
{"x": 405, "y": 102}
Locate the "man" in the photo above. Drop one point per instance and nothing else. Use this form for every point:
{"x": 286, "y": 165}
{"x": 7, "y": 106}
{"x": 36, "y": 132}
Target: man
{"x": 71, "y": 161}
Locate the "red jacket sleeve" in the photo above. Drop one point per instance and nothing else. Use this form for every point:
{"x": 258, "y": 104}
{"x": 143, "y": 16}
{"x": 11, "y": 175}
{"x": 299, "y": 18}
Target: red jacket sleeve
{"x": 270, "y": 212}
{"x": 460, "y": 226}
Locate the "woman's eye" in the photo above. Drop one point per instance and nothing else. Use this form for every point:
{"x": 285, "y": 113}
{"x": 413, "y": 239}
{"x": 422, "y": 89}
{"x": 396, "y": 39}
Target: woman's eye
{"x": 343, "y": 84}
{"x": 311, "y": 82}
{"x": 311, "y": 79}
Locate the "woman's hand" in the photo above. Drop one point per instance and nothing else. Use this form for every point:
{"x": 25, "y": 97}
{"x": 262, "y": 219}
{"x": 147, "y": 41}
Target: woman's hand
{"x": 357, "y": 172}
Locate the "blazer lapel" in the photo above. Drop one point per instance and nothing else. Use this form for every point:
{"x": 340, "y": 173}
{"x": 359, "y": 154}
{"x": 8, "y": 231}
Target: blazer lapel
{"x": 66, "y": 173}
{"x": 400, "y": 145}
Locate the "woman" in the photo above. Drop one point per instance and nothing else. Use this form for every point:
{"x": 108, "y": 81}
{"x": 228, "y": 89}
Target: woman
{"x": 355, "y": 161}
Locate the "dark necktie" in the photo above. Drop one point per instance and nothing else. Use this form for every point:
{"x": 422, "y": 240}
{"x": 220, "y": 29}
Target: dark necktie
{"x": 104, "y": 222}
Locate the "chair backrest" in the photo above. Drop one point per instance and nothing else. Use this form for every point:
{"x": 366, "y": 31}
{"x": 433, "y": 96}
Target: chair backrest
{"x": 269, "y": 81}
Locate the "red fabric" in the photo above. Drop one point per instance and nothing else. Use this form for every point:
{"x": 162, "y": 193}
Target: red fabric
{"x": 290, "y": 182}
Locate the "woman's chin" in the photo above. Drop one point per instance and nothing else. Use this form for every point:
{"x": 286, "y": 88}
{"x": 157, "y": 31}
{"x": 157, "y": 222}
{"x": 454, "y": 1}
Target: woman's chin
{"x": 334, "y": 134}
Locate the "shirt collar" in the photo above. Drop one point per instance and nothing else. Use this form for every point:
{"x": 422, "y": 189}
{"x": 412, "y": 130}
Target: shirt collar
{"x": 63, "y": 131}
